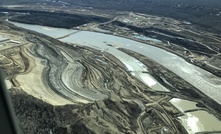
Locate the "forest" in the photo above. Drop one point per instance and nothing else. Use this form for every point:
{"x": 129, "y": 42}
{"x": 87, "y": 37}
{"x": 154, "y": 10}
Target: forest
{"x": 59, "y": 20}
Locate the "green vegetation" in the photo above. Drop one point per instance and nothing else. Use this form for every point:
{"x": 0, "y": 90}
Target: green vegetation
{"x": 50, "y": 20}
{"x": 57, "y": 19}
{"x": 17, "y": 1}
{"x": 2, "y": 14}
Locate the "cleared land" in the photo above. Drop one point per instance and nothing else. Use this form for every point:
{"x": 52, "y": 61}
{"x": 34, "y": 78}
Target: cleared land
{"x": 69, "y": 88}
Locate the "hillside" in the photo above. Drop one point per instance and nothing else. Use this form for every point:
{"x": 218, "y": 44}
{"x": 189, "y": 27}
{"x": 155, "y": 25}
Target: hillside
{"x": 204, "y": 13}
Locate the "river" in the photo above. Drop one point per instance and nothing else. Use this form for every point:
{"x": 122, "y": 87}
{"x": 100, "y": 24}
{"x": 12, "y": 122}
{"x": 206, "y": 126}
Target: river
{"x": 200, "y": 78}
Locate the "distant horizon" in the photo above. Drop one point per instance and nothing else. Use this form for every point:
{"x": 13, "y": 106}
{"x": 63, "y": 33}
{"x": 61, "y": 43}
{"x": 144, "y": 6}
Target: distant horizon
{"x": 195, "y": 11}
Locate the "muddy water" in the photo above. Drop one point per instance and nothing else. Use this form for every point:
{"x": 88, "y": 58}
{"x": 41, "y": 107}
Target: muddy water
{"x": 201, "y": 79}
{"x": 197, "y": 120}
{"x": 183, "y": 105}
{"x": 50, "y": 31}
{"x": 136, "y": 68}
{"x": 200, "y": 121}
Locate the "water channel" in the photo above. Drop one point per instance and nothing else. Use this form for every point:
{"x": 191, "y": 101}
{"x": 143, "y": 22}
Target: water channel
{"x": 201, "y": 79}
